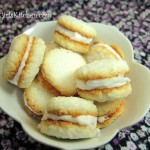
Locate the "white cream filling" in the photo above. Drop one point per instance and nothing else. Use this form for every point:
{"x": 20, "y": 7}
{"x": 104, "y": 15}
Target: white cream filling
{"x": 102, "y": 83}
{"x": 110, "y": 49}
{"x": 73, "y": 35}
{"x": 90, "y": 121}
{"x": 26, "y": 104}
{"x": 101, "y": 119}
{"x": 22, "y": 64}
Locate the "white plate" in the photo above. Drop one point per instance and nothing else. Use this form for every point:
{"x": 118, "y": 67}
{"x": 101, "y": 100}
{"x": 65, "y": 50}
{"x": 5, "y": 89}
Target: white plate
{"x": 11, "y": 100}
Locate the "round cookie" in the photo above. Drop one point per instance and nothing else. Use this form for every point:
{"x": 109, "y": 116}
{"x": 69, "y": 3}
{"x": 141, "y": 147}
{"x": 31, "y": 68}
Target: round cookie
{"x": 100, "y": 50}
{"x": 109, "y": 111}
{"x": 23, "y": 60}
{"x": 74, "y": 34}
{"x": 37, "y": 95}
{"x": 70, "y": 118}
{"x": 103, "y": 80}
{"x": 58, "y": 69}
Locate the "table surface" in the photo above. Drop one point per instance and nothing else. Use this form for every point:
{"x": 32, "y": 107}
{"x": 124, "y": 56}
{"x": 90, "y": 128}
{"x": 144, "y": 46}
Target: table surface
{"x": 130, "y": 17}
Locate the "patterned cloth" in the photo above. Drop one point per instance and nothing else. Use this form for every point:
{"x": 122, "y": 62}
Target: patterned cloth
{"x": 131, "y": 17}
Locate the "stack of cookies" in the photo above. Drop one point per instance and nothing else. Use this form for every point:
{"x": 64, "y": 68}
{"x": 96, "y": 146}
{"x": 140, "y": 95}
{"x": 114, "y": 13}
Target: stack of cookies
{"x": 74, "y": 85}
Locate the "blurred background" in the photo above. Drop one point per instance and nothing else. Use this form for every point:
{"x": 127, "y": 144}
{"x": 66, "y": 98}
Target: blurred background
{"x": 130, "y": 17}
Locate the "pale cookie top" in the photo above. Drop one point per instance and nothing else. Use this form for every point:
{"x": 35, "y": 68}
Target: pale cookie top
{"x": 58, "y": 69}
{"x": 74, "y": 106}
{"x": 100, "y": 69}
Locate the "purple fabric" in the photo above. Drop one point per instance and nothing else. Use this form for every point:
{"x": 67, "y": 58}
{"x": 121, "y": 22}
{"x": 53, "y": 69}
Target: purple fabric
{"x": 131, "y": 17}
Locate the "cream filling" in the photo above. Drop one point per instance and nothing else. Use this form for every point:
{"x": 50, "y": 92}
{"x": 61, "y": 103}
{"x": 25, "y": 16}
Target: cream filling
{"x": 90, "y": 121}
{"x": 22, "y": 64}
{"x": 101, "y": 119}
{"x": 102, "y": 83}
{"x": 26, "y": 104}
{"x": 73, "y": 35}
{"x": 110, "y": 49}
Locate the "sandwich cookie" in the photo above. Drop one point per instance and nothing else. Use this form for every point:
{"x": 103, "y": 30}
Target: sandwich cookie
{"x": 58, "y": 69}
{"x": 100, "y": 50}
{"x": 74, "y": 34}
{"x": 103, "y": 80}
{"x": 109, "y": 111}
{"x": 23, "y": 60}
{"x": 70, "y": 118}
{"x": 37, "y": 95}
